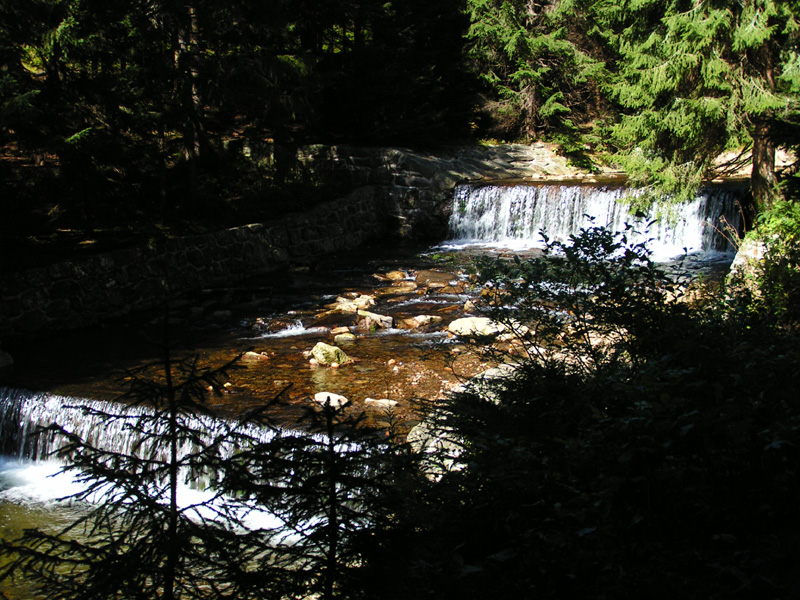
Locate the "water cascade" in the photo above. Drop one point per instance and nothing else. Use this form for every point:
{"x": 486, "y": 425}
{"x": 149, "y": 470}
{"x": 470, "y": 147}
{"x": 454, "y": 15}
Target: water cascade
{"x": 514, "y": 215}
{"x": 23, "y": 415}
{"x": 28, "y": 471}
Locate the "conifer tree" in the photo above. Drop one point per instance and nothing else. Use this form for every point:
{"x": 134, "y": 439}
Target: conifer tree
{"x": 530, "y": 55}
{"x": 332, "y": 490}
{"x": 133, "y": 538}
{"x": 698, "y": 78}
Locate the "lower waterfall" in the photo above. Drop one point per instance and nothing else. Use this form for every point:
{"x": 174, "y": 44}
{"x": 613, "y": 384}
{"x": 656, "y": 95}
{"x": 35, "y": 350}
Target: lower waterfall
{"x": 30, "y": 474}
{"x": 514, "y": 216}
{"x": 23, "y": 414}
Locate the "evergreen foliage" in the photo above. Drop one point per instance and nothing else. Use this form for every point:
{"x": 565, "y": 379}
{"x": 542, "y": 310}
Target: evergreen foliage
{"x": 531, "y": 59}
{"x": 128, "y": 118}
{"x": 274, "y": 512}
{"x": 133, "y": 538}
{"x": 180, "y": 109}
{"x": 332, "y": 490}
{"x": 697, "y": 79}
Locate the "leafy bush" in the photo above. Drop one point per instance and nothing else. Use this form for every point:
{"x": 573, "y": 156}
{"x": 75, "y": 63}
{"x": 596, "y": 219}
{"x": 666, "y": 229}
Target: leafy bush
{"x": 779, "y": 277}
{"x": 642, "y": 447}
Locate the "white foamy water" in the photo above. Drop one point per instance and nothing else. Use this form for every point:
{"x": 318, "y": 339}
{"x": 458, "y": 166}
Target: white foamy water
{"x": 28, "y": 476}
{"x": 514, "y": 217}
{"x": 296, "y": 329}
{"x": 46, "y": 484}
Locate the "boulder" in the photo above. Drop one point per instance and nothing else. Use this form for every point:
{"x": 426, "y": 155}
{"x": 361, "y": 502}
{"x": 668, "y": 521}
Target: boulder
{"x": 748, "y": 265}
{"x": 475, "y": 327}
{"x": 325, "y": 354}
{"x": 351, "y": 305}
{"x": 396, "y": 275}
{"x": 344, "y": 338}
{"x": 442, "y": 447}
{"x": 453, "y": 288}
{"x": 436, "y": 279}
{"x": 365, "y": 301}
{"x": 490, "y": 383}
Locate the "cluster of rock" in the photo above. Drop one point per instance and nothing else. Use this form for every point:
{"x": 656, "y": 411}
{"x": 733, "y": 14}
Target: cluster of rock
{"x": 365, "y": 309}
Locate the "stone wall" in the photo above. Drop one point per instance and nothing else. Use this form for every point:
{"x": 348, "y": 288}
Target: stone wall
{"x": 397, "y": 193}
{"x": 418, "y": 186}
{"x": 74, "y": 294}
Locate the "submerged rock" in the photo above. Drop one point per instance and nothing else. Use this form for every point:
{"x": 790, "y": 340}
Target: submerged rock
{"x": 367, "y": 321}
{"x": 380, "y": 403}
{"x": 398, "y": 287}
{"x": 325, "y": 354}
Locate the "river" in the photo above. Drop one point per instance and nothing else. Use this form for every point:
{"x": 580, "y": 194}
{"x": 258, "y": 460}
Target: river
{"x": 274, "y": 320}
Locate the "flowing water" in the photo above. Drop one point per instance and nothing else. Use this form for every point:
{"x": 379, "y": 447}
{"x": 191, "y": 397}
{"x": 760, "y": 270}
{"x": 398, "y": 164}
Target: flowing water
{"x": 516, "y": 216}
{"x": 279, "y": 317}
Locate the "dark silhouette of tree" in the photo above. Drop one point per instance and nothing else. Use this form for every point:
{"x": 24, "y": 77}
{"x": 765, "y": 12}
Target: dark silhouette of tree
{"x": 134, "y": 538}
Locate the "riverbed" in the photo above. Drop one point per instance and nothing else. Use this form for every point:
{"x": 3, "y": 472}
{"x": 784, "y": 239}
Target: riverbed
{"x": 271, "y": 322}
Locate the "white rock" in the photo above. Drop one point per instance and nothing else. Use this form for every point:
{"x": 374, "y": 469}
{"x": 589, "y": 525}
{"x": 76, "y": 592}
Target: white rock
{"x": 336, "y": 401}
{"x": 369, "y": 320}
{"x": 419, "y": 321}
{"x": 475, "y": 326}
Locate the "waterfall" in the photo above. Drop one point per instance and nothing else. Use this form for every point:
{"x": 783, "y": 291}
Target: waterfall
{"x": 28, "y": 473}
{"x": 105, "y": 425}
{"x": 514, "y": 215}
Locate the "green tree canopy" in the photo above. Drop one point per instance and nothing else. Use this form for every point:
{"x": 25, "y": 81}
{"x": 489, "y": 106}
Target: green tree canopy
{"x": 695, "y": 79}
{"x": 534, "y": 57}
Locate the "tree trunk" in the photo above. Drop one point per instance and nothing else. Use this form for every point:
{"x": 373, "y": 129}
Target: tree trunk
{"x": 191, "y": 103}
{"x": 332, "y": 501}
{"x": 762, "y": 177}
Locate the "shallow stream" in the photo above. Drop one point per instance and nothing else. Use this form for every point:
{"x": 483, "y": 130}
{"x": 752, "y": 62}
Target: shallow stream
{"x": 274, "y": 320}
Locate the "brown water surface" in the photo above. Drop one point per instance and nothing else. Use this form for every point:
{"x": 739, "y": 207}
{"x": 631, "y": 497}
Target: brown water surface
{"x": 279, "y": 317}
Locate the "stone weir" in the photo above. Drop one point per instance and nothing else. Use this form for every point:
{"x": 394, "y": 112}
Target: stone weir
{"x": 396, "y": 194}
